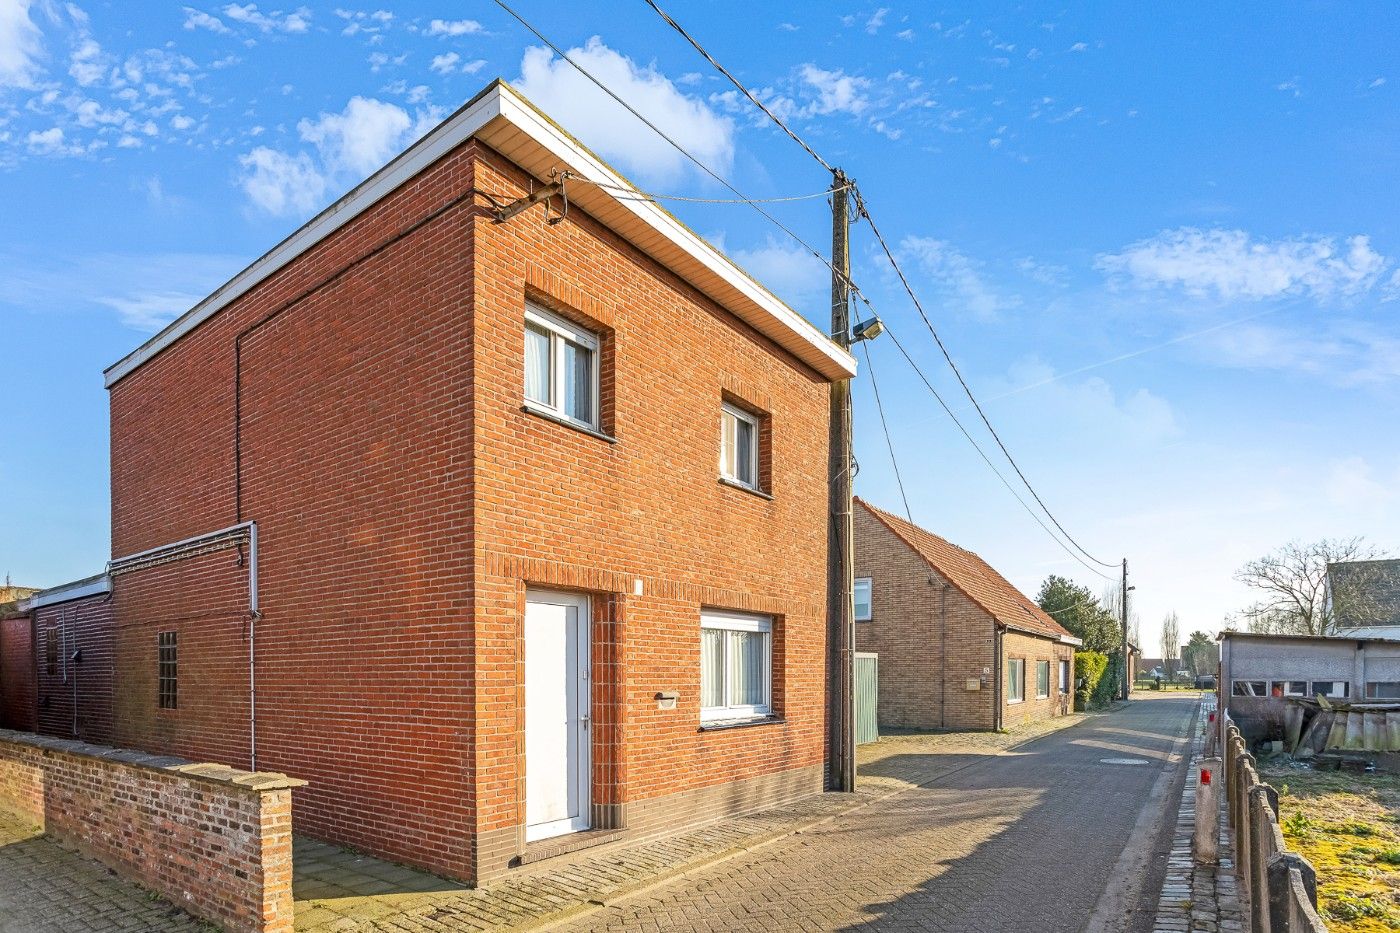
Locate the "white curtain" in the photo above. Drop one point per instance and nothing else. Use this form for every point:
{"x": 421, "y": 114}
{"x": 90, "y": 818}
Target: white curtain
{"x": 537, "y": 374}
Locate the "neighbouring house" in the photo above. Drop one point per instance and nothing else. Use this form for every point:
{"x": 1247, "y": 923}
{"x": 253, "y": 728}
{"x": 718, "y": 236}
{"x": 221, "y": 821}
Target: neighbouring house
{"x": 959, "y": 646}
{"x": 1260, "y": 673}
{"x": 1364, "y": 596}
{"x": 56, "y": 662}
{"x": 498, "y": 516}
{"x": 1134, "y": 660}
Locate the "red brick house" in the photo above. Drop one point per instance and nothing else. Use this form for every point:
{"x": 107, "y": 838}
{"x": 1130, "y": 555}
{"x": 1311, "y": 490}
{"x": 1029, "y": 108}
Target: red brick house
{"x": 959, "y": 646}
{"x": 508, "y": 536}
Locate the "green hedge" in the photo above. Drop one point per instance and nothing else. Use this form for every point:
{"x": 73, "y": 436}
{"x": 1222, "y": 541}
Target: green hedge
{"x": 1109, "y": 684}
{"x": 1089, "y": 667}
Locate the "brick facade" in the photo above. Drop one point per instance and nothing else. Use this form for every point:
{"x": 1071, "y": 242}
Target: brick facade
{"x": 363, "y": 405}
{"x": 216, "y": 841}
{"x": 82, "y": 627}
{"x": 938, "y": 645}
{"x": 18, "y": 693}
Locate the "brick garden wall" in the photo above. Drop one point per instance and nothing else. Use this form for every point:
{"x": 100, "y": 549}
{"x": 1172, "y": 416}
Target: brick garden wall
{"x": 923, "y": 683}
{"x": 84, "y": 625}
{"x": 405, "y": 502}
{"x": 18, "y": 696}
{"x": 215, "y": 841}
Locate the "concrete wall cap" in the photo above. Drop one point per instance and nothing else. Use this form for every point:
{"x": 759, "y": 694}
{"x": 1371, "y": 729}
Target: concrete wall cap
{"x": 256, "y": 781}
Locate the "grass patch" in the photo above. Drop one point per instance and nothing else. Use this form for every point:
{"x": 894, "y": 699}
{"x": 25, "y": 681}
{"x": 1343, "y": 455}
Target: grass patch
{"x": 1346, "y": 825}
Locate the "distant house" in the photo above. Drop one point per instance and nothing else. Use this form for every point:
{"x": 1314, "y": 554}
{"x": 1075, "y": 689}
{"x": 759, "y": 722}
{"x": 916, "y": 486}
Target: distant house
{"x": 1365, "y": 597}
{"x": 959, "y": 646}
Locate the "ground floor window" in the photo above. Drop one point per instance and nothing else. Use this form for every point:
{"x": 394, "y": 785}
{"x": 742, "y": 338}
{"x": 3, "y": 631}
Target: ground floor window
{"x": 1015, "y": 680}
{"x": 1383, "y": 690}
{"x": 1042, "y": 679}
{"x": 1250, "y": 688}
{"x": 167, "y": 671}
{"x": 736, "y": 665}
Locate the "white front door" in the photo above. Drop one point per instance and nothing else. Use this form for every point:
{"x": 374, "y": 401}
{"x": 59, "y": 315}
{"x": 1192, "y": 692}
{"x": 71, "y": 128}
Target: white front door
{"x": 557, "y": 709}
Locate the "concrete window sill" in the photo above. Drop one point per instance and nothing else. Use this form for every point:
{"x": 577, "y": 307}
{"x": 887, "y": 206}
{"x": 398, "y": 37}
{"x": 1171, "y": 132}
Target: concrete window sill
{"x": 720, "y": 725}
{"x": 724, "y": 481}
{"x": 573, "y": 425}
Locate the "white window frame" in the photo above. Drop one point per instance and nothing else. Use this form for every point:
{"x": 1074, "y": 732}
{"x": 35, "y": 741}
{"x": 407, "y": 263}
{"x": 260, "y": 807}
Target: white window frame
{"x": 752, "y": 421}
{"x": 1019, "y": 680}
{"x": 1066, "y": 676}
{"x": 738, "y": 622}
{"x": 559, "y": 331}
{"x": 1038, "y": 694}
{"x": 1344, "y": 684}
{"x": 1288, "y": 690}
{"x": 869, "y": 593}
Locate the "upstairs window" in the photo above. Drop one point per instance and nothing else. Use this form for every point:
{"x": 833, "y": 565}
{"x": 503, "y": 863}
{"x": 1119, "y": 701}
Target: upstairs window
{"x": 561, "y": 368}
{"x": 166, "y": 671}
{"x": 862, "y": 599}
{"x": 738, "y": 446}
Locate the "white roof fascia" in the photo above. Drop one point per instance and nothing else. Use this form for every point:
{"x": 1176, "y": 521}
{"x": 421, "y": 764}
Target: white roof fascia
{"x": 499, "y": 111}
{"x": 67, "y": 592}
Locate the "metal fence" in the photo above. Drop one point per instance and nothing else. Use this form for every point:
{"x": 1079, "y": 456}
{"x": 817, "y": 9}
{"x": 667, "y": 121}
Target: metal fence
{"x": 1278, "y": 887}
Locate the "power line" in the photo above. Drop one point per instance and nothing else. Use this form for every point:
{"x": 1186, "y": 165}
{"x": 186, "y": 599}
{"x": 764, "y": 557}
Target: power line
{"x": 742, "y": 89}
{"x": 677, "y": 146}
{"x": 625, "y": 193}
{"x": 864, "y": 212}
{"x": 985, "y": 459}
{"x": 880, "y": 407}
{"x": 889, "y": 254}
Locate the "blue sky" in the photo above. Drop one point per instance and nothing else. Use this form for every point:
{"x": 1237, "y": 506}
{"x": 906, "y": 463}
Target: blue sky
{"x": 1162, "y": 246}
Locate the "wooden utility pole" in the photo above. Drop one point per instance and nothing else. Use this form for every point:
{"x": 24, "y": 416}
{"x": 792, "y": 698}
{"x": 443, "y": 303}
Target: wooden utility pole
{"x": 840, "y": 563}
{"x": 1123, "y": 613}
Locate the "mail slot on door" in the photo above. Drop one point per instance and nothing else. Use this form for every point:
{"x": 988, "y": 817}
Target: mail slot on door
{"x": 666, "y": 699}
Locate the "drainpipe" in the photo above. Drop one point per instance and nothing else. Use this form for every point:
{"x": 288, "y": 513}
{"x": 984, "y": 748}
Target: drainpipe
{"x": 943, "y": 659}
{"x": 998, "y": 675}
{"x": 254, "y": 614}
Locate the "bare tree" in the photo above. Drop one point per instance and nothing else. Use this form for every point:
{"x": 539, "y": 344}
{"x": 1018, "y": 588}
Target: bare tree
{"x": 1171, "y": 642}
{"x": 1293, "y": 581}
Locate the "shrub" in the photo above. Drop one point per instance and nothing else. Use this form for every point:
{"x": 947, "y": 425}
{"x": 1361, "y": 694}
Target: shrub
{"x": 1089, "y": 667}
{"x": 1106, "y": 690}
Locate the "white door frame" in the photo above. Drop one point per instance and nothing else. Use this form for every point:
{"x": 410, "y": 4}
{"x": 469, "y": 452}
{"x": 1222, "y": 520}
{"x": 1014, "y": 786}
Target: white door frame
{"x": 583, "y": 769}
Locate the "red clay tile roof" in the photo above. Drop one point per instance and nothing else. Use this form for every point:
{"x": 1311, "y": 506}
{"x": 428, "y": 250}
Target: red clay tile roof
{"x": 974, "y": 576}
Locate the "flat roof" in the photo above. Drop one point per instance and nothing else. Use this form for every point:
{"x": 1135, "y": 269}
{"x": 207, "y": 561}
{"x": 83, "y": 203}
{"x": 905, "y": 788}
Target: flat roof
{"x": 506, "y": 121}
{"x": 95, "y": 585}
{"x": 1291, "y": 636}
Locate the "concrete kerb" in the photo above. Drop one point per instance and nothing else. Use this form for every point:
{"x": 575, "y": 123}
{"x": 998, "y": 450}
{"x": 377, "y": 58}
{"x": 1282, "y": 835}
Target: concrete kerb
{"x": 757, "y": 843}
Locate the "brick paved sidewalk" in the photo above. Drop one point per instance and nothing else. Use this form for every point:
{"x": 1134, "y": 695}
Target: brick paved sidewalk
{"x": 1199, "y": 898}
{"x": 45, "y": 888}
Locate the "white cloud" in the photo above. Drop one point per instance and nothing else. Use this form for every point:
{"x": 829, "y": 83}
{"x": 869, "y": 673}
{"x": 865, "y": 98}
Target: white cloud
{"x": 198, "y": 19}
{"x": 1378, "y": 82}
{"x": 1089, "y": 408}
{"x": 1232, "y": 265}
{"x": 88, "y": 65}
{"x": 46, "y": 141}
{"x": 361, "y": 21}
{"x": 279, "y": 183}
{"x": 958, "y": 276}
{"x": 348, "y": 146}
{"x": 877, "y": 20}
{"x": 1078, "y": 47}
{"x": 298, "y": 21}
{"x": 1351, "y": 484}
{"x": 443, "y": 64}
{"x": 837, "y": 92}
{"x": 21, "y": 45}
{"x": 557, "y": 87}
{"x": 181, "y": 122}
{"x": 790, "y": 272}
{"x": 453, "y": 27}
{"x": 472, "y": 67}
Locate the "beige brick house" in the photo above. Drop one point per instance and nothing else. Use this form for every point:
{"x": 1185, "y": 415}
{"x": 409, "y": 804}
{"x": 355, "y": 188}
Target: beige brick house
{"x": 959, "y": 646}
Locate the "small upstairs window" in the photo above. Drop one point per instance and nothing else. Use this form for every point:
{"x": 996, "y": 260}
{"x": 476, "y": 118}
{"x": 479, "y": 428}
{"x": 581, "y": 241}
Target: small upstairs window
{"x": 863, "y": 599}
{"x": 166, "y": 671}
{"x": 738, "y": 446}
{"x": 561, "y": 368}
